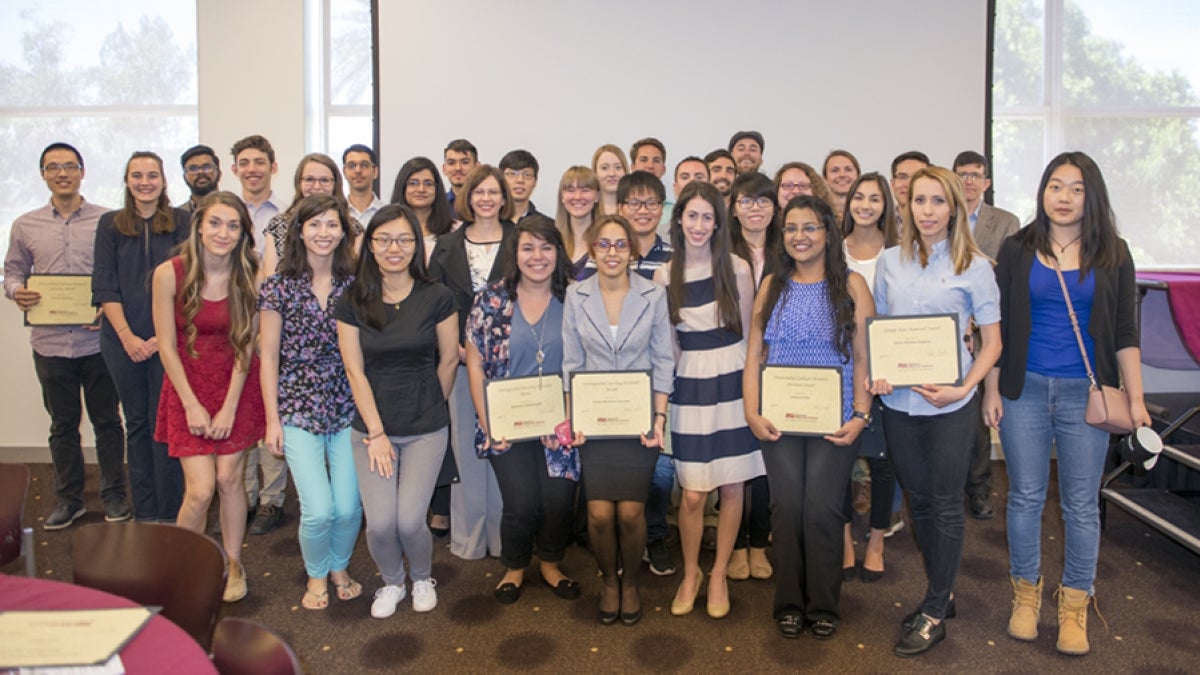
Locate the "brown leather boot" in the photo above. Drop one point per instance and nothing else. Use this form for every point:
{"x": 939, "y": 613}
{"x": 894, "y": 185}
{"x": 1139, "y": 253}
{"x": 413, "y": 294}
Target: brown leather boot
{"x": 1027, "y": 604}
{"x": 1072, "y": 621}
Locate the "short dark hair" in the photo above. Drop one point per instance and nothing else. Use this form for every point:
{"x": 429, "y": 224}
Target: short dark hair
{"x": 717, "y": 154}
{"x": 518, "y": 160}
{"x": 752, "y": 135}
{"x": 640, "y": 181}
{"x": 58, "y": 146}
{"x": 464, "y": 146}
{"x": 359, "y": 147}
{"x": 254, "y": 142}
{"x": 970, "y": 157}
{"x": 685, "y": 160}
{"x": 649, "y": 140}
{"x": 197, "y": 150}
{"x": 911, "y": 154}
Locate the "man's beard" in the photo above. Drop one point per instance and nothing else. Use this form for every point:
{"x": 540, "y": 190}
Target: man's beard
{"x": 199, "y": 191}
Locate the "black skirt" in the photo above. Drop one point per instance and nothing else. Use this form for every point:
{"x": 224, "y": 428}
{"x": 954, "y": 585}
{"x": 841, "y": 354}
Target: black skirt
{"x": 617, "y": 470}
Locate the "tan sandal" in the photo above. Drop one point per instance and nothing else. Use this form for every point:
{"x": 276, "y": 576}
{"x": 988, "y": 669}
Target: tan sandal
{"x": 315, "y": 600}
{"x": 349, "y": 590}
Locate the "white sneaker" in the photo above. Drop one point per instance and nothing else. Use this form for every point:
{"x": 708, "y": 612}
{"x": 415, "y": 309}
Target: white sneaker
{"x": 386, "y": 600}
{"x": 424, "y": 597}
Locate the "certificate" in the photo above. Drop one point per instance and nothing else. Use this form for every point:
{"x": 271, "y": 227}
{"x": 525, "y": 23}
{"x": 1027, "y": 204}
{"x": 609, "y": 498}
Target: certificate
{"x": 67, "y": 637}
{"x": 800, "y": 400}
{"x": 66, "y": 300}
{"x": 612, "y": 404}
{"x": 521, "y": 408}
{"x": 914, "y": 350}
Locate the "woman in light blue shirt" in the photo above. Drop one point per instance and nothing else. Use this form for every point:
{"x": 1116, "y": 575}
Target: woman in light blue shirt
{"x": 936, "y": 269}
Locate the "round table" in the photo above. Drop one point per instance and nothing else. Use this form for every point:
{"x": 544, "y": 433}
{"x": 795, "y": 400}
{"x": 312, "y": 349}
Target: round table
{"x": 160, "y": 647}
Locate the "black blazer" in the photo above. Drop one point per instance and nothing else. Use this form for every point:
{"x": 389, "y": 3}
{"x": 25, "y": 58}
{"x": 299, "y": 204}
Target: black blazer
{"x": 1113, "y": 324}
{"x": 448, "y": 265}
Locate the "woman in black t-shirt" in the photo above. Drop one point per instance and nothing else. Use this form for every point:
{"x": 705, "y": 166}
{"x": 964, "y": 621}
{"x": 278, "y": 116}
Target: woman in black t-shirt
{"x": 398, "y": 334}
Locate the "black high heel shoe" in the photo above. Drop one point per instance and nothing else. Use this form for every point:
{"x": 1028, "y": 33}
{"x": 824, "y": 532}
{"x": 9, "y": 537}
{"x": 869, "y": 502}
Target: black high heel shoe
{"x": 606, "y": 617}
{"x": 631, "y": 618}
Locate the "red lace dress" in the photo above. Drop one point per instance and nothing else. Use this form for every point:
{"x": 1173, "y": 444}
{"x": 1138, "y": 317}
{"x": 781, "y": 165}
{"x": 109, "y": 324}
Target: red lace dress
{"x": 208, "y": 374}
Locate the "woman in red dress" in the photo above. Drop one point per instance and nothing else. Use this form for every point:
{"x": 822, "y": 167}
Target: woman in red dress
{"x": 205, "y": 319}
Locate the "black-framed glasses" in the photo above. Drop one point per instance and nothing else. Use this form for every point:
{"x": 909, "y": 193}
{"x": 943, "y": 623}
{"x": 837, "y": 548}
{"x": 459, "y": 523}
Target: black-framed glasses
{"x": 749, "y": 202}
{"x": 638, "y": 204}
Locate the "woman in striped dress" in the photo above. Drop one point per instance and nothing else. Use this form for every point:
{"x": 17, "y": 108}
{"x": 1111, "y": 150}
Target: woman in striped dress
{"x": 710, "y": 292}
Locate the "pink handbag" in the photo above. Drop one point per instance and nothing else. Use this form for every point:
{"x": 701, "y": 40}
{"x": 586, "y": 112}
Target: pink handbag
{"x": 1107, "y": 407}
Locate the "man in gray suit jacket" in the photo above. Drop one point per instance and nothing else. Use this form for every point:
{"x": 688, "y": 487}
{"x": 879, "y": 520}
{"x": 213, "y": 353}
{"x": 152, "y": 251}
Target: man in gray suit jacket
{"x": 990, "y": 226}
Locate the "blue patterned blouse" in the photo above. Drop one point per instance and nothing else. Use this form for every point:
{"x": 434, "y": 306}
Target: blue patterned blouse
{"x": 801, "y": 332}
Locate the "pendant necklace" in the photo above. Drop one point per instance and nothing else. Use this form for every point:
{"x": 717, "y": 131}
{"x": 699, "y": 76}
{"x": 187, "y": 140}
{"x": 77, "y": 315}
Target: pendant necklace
{"x": 541, "y": 355}
{"x": 1062, "y": 248}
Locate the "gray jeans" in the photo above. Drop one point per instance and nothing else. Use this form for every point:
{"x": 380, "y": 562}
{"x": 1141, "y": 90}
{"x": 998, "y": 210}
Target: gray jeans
{"x": 395, "y": 507}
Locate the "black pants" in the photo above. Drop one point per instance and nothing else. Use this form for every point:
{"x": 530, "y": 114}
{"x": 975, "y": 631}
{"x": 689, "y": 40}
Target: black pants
{"x": 979, "y": 478}
{"x": 883, "y": 492}
{"x": 755, "y": 528}
{"x": 537, "y": 508}
{"x": 809, "y": 478}
{"x": 931, "y": 457}
{"x": 61, "y": 380}
{"x": 155, "y": 479}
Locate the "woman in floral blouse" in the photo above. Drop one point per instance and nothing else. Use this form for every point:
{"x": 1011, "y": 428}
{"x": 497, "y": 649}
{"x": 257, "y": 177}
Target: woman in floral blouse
{"x": 306, "y": 393}
{"x": 515, "y": 330}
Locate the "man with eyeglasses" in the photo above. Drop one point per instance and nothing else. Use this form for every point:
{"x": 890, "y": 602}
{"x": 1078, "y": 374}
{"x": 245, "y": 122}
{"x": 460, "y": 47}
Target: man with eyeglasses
{"x": 520, "y": 169}
{"x": 360, "y": 166}
{"x": 903, "y": 167}
{"x": 254, "y": 165}
{"x": 201, "y": 172}
{"x": 990, "y": 226}
{"x": 59, "y": 238}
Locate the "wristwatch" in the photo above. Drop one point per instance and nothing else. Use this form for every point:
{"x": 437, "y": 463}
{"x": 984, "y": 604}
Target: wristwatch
{"x": 864, "y": 416}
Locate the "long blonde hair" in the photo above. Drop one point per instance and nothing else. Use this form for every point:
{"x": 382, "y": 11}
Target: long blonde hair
{"x": 242, "y": 290}
{"x": 583, "y": 177}
{"x": 962, "y": 244}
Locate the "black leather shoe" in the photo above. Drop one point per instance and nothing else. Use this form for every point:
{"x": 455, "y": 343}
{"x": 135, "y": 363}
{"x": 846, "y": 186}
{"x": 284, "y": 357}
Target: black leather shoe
{"x": 870, "y": 576}
{"x": 630, "y": 618}
{"x": 911, "y": 619}
{"x": 567, "y": 589}
{"x": 823, "y": 629}
{"x": 507, "y": 593}
{"x": 921, "y": 638}
{"x": 790, "y": 625}
{"x": 981, "y": 508}
{"x": 849, "y": 574}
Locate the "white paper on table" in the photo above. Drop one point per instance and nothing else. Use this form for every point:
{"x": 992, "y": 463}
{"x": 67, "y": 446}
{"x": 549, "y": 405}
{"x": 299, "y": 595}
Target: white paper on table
{"x": 89, "y": 637}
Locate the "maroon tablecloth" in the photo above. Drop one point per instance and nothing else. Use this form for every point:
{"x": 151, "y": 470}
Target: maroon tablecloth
{"x": 160, "y": 647}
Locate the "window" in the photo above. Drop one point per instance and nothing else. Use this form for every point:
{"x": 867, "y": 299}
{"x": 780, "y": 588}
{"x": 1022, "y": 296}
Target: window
{"x": 340, "y": 83}
{"x": 106, "y": 77}
{"x": 1119, "y": 81}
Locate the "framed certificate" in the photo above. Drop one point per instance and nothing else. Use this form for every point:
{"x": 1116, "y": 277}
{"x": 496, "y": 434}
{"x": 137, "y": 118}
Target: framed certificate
{"x": 66, "y": 300}
{"x": 914, "y": 350}
{"x": 612, "y": 404}
{"x": 801, "y": 400}
{"x": 521, "y": 408}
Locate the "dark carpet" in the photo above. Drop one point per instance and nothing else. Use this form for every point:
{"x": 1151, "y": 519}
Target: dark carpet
{"x": 1148, "y": 591}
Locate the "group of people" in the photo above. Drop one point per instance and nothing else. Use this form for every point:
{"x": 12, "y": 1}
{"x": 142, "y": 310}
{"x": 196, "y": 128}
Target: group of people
{"x": 353, "y": 340}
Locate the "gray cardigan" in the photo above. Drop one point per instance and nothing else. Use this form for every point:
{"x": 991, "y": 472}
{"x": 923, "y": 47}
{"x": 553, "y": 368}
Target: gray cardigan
{"x": 643, "y": 336}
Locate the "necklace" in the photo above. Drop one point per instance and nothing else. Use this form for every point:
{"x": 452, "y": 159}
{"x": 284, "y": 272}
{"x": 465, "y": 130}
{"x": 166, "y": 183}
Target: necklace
{"x": 541, "y": 355}
{"x": 1062, "y": 248}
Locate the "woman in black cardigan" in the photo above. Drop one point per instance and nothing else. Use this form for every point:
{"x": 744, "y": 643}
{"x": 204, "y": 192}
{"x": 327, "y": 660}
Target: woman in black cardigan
{"x": 1043, "y": 382}
{"x": 467, "y": 260}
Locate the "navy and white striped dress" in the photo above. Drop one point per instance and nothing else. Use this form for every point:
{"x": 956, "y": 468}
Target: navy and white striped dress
{"x": 711, "y": 443}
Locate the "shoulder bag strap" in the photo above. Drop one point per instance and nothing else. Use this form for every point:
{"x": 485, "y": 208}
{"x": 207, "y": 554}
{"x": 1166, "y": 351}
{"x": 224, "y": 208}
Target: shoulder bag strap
{"x": 1074, "y": 323}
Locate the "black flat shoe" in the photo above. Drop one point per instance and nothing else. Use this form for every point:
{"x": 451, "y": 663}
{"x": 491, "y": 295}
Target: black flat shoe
{"x": 439, "y": 532}
{"x": 823, "y": 629}
{"x": 921, "y": 638}
{"x": 870, "y": 576}
{"x": 911, "y": 619}
{"x": 848, "y": 573}
{"x": 790, "y": 625}
{"x": 630, "y": 618}
{"x": 567, "y": 589}
{"x": 507, "y": 593}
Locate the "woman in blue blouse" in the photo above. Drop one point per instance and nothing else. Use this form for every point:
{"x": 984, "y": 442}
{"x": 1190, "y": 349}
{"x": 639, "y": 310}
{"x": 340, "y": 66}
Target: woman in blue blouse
{"x": 811, "y": 311}
{"x": 1040, "y": 385}
{"x": 130, "y": 243}
{"x": 936, "y": 269}
{"x": 515, "y": 330}
{"x": 619, "y": 321}
{"x": 306, "y": 394}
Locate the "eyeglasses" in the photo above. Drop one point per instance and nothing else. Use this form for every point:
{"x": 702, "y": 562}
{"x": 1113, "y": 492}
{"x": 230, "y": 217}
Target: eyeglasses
{"x": 355, "y": 166}
{"x": 54, "y": 169}
{"x": 808, "y": 230}
{"x": 636, "y": 205}
{"x": 604, "y": 245}
{"x": 749, "y": 202}
{"x": 418, "y": 183}
{"x": 970, "y": 176}
{"x": 323, "y": 181}
{"x": 527, "y": 174}
{"x": 802, "y": 187}
{"x": 194, "y": 169}
{"x": 382, "y": 243}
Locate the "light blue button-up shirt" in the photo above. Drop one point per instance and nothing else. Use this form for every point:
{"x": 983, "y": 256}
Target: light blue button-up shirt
{"x": 904, "y": 288}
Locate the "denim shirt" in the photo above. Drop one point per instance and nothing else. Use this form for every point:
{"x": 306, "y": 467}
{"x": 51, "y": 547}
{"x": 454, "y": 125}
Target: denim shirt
{"x": 904, "y": 288}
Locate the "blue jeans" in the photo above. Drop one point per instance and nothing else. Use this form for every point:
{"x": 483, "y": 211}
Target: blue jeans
{"x": 155, "y": 479}
{"x": 659, "y": 500}
{"x": 330, "y": 508}
{"x": 1049, "y": 411}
